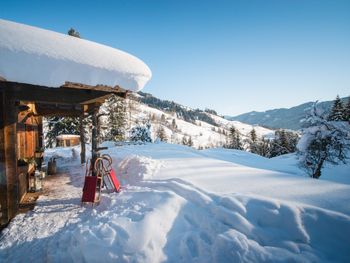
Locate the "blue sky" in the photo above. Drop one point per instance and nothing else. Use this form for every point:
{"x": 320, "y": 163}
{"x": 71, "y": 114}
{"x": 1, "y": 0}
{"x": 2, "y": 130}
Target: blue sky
{"x": 232, "y": 56}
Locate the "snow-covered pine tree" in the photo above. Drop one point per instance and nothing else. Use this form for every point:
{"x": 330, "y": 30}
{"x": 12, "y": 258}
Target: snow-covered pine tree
{"x": 115, "y": 120}
{"x": 337, "y": 112}
{"x": 72, "y": 32}
{"x": 324, "y": 141}
{"x": 263, "y": 147}
{"x": 60, "y": 125}
{"x": 234, "y": 139}
{"x": 347, "y": 111}
{"x": 283, "y": 143}
{"x": 253, "y": 141}
{"x": 253, "y": 135}
{"x": 141, "y": 133}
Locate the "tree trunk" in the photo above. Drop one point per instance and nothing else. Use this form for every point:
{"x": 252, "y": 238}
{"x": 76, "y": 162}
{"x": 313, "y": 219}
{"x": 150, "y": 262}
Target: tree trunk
{"x": 319, "y": 166}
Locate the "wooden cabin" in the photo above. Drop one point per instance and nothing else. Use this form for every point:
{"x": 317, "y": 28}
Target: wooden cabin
{"x": 45, "y": 73}
{"x": 67, "y": 140}
{"x": 22, "y": 108}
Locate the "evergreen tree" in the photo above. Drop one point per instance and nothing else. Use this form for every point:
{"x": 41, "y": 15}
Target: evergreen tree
{"x": 60, "y": 125}
{"x": 337, "y": 112}
{"x": 283, "y": 143}
{"x": 253, "y": 141}
{"x": 115, "y": 121}
{"x": 347, "y": 111}
{"x": 72, "y": 32}
{"x": 141, "y": 133}
{"x": 324, "y": 141}
{"x": 263, "y": 147}
{"x": 234, "y": 139}
{"x": 252, "y": 135}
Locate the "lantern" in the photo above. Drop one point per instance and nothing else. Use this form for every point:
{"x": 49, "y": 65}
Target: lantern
{"x": 35, "y": 182}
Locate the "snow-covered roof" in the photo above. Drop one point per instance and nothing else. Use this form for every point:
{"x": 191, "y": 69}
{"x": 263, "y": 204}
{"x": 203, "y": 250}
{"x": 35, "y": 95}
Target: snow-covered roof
{"x": 37, "y": 56}
{"x": 67, "y": 136}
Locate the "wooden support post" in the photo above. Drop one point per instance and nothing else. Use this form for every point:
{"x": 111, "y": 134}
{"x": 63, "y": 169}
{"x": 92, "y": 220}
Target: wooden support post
{"x": 82, "y": 140}
{"x": 9, "y": 179}
{"x": 3, "y": 179}
{"x": 40, "y": 133}
{"x": 94, "y": 139}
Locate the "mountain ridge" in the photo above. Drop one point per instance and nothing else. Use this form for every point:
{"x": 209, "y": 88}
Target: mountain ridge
{"x": 284, "y": 118}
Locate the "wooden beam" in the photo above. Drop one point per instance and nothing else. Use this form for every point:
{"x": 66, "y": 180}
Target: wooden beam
{"x": 99, "y": 100}
{"x": 109, "y": 89}
{"x": 63, "y": 95}
{"x": 62, "y": 110}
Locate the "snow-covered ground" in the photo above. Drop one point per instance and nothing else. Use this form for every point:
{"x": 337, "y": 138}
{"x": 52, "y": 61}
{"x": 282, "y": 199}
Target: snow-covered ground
{"x": 182, "y": 205}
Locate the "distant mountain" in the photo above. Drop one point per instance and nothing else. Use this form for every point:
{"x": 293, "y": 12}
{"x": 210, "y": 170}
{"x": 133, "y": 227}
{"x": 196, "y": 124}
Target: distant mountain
{"x": 281, "y": 118}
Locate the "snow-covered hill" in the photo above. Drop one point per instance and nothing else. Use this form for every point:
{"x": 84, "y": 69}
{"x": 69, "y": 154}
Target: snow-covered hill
{"x": 202, "y": 133}
{"x": 179, "y": 204}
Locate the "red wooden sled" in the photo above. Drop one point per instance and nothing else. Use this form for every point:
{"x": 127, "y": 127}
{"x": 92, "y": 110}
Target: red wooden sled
{"x": 103, "y": 167}
{"x": 114, "y": 180}
{"x": 89, "y": 190}
{"x": 104, "y": 176}
{"x": 92, "y": 187}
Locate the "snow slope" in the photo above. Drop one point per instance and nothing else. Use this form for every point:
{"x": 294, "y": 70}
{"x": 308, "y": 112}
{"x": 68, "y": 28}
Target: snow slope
{"x": 243, "y": 128}
{"x": 203, "y": 134}
{"x": 182, "y": 205}
{"x": 37, "y": 56}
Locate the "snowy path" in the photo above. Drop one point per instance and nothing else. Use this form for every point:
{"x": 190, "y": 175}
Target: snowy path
{"x": 162, "y": 216}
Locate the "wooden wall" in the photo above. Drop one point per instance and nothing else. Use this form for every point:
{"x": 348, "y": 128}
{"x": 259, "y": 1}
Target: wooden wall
{"x": 8, "y": 156}
{"x": 29, "y": 136}
{"x": 20, "y": 135}
{"x": 3, "y": 181}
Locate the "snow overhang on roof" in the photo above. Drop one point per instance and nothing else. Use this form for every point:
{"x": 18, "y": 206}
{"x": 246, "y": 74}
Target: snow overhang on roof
{"x": 41, "y": 57}
{"x": 67, "y": 136}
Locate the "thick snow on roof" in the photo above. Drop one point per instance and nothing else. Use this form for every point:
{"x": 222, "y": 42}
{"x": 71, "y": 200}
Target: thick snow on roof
{"x": 37, "y": 56}
{"x": 67, "y": 136}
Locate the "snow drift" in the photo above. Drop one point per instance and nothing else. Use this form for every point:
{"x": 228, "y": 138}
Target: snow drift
{"x": 161, "y": 215}
{"x": 38, "y": 56}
